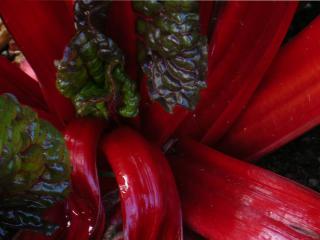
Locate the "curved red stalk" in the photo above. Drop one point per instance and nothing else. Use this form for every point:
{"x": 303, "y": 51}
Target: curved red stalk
{"x": 86, "y": 213}
{"x": 13, "y": 80}
{"x": 243, "y": 56}
{"x": 229, "y": 199}
{"x": 172, "y": 223}
{"x": 150, "y": 203}
{"x": 41, "y": 29}
{"x": 286, "y": 105}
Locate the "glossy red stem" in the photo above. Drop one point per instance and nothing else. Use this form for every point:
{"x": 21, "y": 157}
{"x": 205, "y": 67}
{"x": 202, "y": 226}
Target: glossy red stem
{"x": 245, "y": 39}
{"x": 150, "y": 203}
{"x": 286, "y": 105}
{"x": 41, "y": 30}
{"x": 86, "y": 213}
{"x": 229, "y": 199}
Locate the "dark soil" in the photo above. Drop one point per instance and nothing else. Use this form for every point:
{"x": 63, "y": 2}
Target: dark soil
{"x": 298, "y": 160}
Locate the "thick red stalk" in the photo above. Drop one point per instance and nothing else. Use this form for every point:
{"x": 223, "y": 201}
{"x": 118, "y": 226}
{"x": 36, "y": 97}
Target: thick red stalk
{"x": 237, "y": 61}
{"x": 229, "y": 199}
{"x": 150, "y": 203}
{"x": 172, "y": 223}
{"x": 41, "y": 29}
{"x": 286, "y": 105}
{"x": 86, "y": 213}
{"x": 16, "y": 82}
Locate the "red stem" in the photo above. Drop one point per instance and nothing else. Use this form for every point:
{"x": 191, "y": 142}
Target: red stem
{"x": 229, "y": 199}
{"x": 286, "y": 105}
{"x": 150, "y": 203}
{"x": 237, "y": 61}
{"x": 87, "y": 216}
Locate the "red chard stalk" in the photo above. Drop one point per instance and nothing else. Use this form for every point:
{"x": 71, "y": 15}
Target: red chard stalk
{"x": 229, "y": 199}
{"x": 84, "y": 205}
{"x": 210, "y": 75}
{"x": 245, "y": 35}
{"x": 286, "y": 105}
{"x": 149, "y": 200}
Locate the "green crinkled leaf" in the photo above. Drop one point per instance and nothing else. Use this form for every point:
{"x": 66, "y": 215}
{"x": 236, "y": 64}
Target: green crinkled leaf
{"x": 34, "y": 168}
{"x": 173, "y": 54}
{"x": 91, "y": 72}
